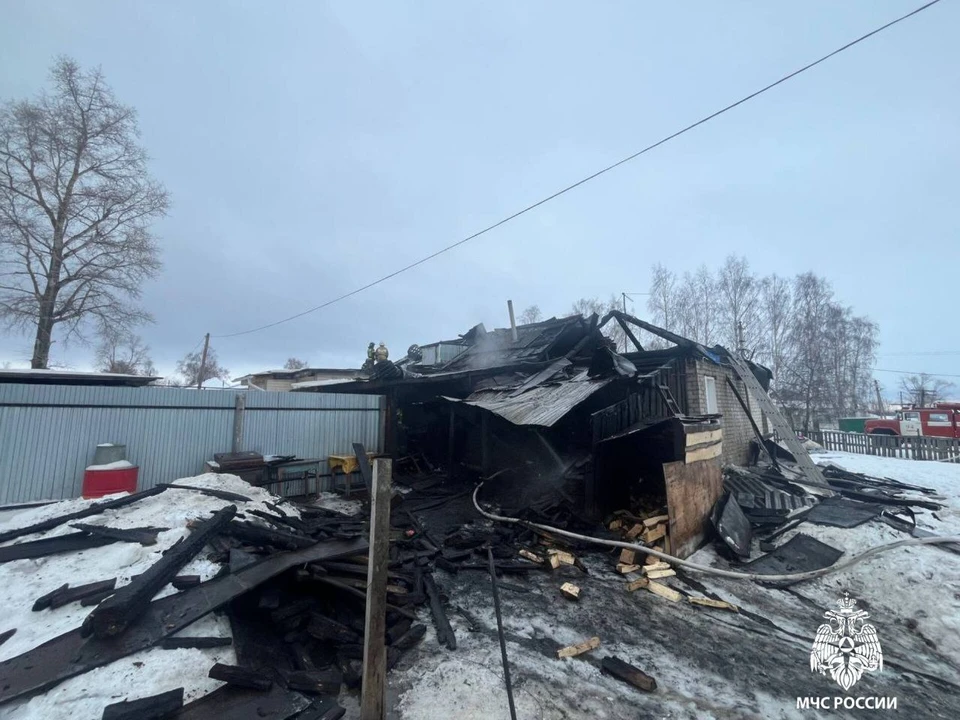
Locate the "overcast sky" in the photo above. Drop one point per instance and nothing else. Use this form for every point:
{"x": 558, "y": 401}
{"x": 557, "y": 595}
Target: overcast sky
{"x": 312, "y": 147}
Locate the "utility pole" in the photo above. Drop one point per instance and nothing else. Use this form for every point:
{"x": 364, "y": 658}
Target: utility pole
{"x": 624, "y": 312}
{"x": 203, "y": 361}
{"x": 880, "y": 409}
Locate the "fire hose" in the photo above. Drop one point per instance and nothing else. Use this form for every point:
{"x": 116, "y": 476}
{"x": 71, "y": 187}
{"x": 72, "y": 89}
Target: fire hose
{"x": 696, "y": 567}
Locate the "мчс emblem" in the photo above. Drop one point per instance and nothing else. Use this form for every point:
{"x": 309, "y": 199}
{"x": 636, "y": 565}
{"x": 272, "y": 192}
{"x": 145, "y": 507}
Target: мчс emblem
{"x": 846, "y": 646}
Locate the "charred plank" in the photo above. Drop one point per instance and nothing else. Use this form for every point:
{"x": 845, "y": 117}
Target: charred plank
{"x": 323, "y": 628}
{"x": 257, "y": 535}
{"x": 115, "y": 613}
{"x": 144, "y": 535}
{"x": 221, "y": 494}
{"x": 445, "y": 633}
{"x": 154, "y": 707}
{"x": 410, "y": 638}
{"x": 182, "y": 582}
{"x": 628, "y": 673}
{"x": 6, "y": 635}
{"x": 240, "y": 676}
{"x": 315, "y": 682}
{"x": 43, "y": 602}
{"x": 71, "y": 542}
{"x": 69, "y": 595}
{"x": 177, "y": 643}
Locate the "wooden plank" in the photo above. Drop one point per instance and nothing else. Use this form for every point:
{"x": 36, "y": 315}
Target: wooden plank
{"x": 445, "y": 635}
{"x": 144, "y": 536}
{"x": 628, "y": 673}
{"x": 652, "y": 522}
{"x": 241, "y": 676}
{"x": 663, "y": 591}
{"x": 113, "y": 615}
{"x": 692, "y": 491}
{"x": 69, "y": 595}
{"x": 532, "y": 557}
{"x": 182, "y": 582}
{"x": 654, "y": 567}
{"x": 570, "y": 591}
{"x": 72, "y": 542}
{"x": 659, "y": 574}
{"x": 373, "y": 698}
{"x": 315, "y": 682}
{"x": 579, "y": 649}
{"x": 701, "y": 438}
{"x": 43, "y": 602}
{"x": 637, "y": 584}
{"x": 6, "y": 635}
{"x": 709, "y": 602}
{"x": 564, "y": 557}
{"x": 628, "y": 557}
{"x": 154, "y": 707}
{"x": 654, "y": 534}
{"x": 229, "y": 702}
{"x": 705, "y": 453}
{"x": 635, "y": 531}
{"x": 177, "y": 643}
{"x": 624, "y": 569}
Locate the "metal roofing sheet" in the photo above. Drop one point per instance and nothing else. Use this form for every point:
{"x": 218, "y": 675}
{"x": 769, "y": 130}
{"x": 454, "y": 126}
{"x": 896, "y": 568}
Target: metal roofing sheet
{"x": 543, "y": 405}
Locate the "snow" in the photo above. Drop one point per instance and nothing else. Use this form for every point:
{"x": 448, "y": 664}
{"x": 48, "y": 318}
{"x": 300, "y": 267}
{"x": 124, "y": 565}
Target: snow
{"x": 118, "y": 465}
{"x": 146, "y": 673}
{"x": 707, "y": 663}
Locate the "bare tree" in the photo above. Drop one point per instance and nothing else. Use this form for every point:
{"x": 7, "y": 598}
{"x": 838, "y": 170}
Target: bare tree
{"x": 662, "y": 304}
{"x": 121, "y": 351}
{"x": 76, "y": 204}
{"x": 589, "y": 306}
{"x": 738, "y": 308}
{"x": 294, "y": 364}
{"x": 189, "y": 368}
{"x": 775, "y": 301}
{"x": 531, "y": 315}
{"x": 924, "y": 389}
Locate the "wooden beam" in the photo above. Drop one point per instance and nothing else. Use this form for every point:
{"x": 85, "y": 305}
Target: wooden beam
{"x": 445, "y": 634}
{"x": 241, "y": 676}
{"x": 629, "y": 333}
{"x": 113, "y": 615}
{"x": 70, "y": 542}
{"x": 373, "y": 698}
{"x": 580, "y": 648}
{"x": 628, "y": 673}
{"x": 154, "y": 707}
{"x": 144, "y": 536}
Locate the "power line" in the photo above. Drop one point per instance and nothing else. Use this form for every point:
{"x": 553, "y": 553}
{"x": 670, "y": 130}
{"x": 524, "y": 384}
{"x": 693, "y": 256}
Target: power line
{"x": 587, "y": 179}
{"x": 913, "y": 372}
{"x": 926, "y": 353}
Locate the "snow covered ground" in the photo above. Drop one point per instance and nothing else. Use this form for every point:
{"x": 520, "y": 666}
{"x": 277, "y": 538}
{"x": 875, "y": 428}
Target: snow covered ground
{"x": 708, "y": 663}
{"x": 147, "y": 672}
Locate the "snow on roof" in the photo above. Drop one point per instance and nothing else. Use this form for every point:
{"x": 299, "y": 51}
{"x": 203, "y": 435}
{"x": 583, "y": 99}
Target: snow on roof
{"x": 73, "y": 377}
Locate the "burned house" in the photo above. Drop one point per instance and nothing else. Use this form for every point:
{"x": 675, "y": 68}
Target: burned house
{"x": 552, "y": 407}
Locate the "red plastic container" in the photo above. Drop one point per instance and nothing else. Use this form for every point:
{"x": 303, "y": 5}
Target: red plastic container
{"x": 97, "y": 483}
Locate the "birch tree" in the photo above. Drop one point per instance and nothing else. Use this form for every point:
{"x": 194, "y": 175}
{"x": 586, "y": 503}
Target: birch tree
{"x": 76, "y": 206}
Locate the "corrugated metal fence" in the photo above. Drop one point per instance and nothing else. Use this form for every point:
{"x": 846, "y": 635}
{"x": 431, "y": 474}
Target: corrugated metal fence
{"x": 48, "y": 433}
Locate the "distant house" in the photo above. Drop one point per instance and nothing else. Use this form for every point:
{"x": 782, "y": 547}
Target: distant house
{"x": 285, "y": 380}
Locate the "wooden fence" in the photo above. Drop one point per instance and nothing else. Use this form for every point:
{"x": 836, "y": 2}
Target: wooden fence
{"x": 913, "y": 448}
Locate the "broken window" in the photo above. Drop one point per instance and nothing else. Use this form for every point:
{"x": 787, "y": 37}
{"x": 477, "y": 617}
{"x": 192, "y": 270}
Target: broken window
{"x": 710, "y": 392}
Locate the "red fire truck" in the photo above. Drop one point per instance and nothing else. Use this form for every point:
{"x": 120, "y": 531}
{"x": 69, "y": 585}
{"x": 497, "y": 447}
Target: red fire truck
{"x": 941, "y": 420}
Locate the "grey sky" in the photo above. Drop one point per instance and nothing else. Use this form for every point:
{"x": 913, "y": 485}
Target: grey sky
{"x": 312, "y": 147}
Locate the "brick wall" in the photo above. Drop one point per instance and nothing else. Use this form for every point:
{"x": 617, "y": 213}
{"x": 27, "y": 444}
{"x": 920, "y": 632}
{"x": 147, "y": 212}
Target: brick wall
{"x": 737, "y": 432}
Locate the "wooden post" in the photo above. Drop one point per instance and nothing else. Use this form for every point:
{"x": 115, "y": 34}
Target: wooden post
{"x": 238, "y": 422}
{"x": 450, "y": 442}
{"x": 203, "y": 361}
{"x": 373, "y": 700}
{"x": 485, "y": 441}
